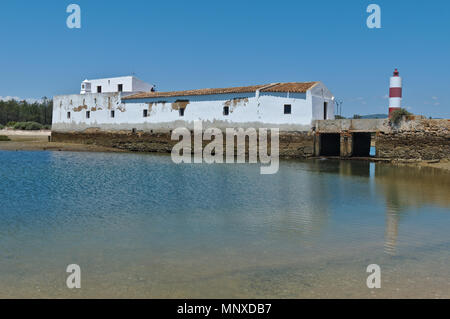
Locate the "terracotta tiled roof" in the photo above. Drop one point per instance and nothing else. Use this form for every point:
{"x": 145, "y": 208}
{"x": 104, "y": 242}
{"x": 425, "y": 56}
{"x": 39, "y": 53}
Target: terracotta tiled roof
{"x": 293, "y": 87}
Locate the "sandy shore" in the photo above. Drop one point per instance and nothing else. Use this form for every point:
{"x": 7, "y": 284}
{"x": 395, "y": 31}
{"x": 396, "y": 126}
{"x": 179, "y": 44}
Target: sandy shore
{"x": 442, "y": 164}
{"x": 38, "y": 141}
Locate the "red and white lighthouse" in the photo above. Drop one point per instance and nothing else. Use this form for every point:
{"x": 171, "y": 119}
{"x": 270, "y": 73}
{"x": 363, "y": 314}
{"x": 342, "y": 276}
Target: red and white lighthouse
{"x": 395, "y": 92}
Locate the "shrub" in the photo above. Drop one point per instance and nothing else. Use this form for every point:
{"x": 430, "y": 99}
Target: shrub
{"x": 19, "y": 126}
{"x": 33, "y": 126}
{"x": 4, "y": 138}
{"x": 11, "y": 124}
{"x": 1, "y": 127}
{"x": 397, "y": 115}
{"x": 29, "y": 126}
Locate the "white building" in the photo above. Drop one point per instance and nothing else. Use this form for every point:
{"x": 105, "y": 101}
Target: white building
{"x": 288, "y": 106}
{"x": 126, "y": 84}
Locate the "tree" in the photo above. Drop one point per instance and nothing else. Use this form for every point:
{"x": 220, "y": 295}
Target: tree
{"x": 22, "y": 111}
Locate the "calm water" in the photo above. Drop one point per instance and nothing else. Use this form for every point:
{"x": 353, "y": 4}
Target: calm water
{"x": 140, "y": 226}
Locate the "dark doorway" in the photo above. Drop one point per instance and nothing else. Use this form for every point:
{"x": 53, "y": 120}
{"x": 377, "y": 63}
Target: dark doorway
{"x": 325, "y": 109}
{"x": 330, "y": 144}
{"x": 361, "y": 144}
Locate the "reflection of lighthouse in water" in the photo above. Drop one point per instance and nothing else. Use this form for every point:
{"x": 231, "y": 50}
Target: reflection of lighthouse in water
{"x": 395, "y": 92}
{"x": 391, "y": 232}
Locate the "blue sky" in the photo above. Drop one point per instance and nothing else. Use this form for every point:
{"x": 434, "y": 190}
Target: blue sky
{"x": 196, "y": 44}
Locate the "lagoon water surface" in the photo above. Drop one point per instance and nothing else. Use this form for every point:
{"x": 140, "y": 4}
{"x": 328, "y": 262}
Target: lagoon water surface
{"x": 140, "y": 226}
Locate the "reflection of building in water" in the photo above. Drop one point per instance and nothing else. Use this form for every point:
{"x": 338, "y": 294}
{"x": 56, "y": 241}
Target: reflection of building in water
{"x": 406, "y": 187}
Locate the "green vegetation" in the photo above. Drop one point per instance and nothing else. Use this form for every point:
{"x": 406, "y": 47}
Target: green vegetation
{"x": 4, "y": 138}
{"x": 397, "y": 115}
{"x": 1, "y": 127}
{"x": 28, "y": 126}
{"x": 15, "y": 112}
{"x": 339, "y": 117}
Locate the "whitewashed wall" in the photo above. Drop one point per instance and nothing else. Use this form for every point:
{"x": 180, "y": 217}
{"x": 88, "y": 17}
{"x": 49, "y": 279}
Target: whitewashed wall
{"x": 246, "y": 110}
{"x": 110, "y": 85}
{"x": 320, "y": 94}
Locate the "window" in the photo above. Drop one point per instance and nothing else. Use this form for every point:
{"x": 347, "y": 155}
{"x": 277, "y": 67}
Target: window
{"x": 145, "y": 113}
{"x": 181, "y": 111}
{"x": 88, "y": 114}
{"x": 68, "y": 115}
{"x": 120, "y": 87}
{"x": 112, "y": 114}
{"x": 325, "y": 106}
{"x": 287, "y": 109}
{"x": 226, "y": 110}
{"x": 99, "y": 89}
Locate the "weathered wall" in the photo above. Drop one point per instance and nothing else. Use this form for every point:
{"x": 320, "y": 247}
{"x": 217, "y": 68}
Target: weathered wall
{"x": 292, "y": 144}
{"x": 245, "y": 110}
{"x": 352, "y": 125}
{"x": 416, "y": 139}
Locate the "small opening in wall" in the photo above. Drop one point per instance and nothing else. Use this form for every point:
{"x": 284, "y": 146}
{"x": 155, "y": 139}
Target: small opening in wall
{"x": 181, "y": 111}
{"x": 325, "y": 107}
{"x": 88, "y": 114}
{"x": 330, "y": 144}
{"x": 120, "y": 87}
{"x": 133, "y": 130}
{"x": 145, "y": 113}
{"x": 287, "y": 109}
{"x": 68, "y": 115}
{"x": 361, "y": 144}
{"x": 95, "y": 100}
{"x": 99, "y": 89}
{"x": 113, "y": 114}
{"x": 226, "y": 110}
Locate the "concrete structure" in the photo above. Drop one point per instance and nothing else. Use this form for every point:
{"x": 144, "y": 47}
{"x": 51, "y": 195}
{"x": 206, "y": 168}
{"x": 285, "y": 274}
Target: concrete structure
{"x": 414, "y": 138}
{"x": 395, "y": 92}
{"x": 125, "y": 84}
{"x": 288, "y": 106}
{"x": 347, "y": 137}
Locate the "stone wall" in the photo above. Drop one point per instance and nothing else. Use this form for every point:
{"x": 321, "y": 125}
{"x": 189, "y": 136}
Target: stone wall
{"x": 415, "y": 139}
{"x": 292, "y": 144}
{"x": 424, "y": 139}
